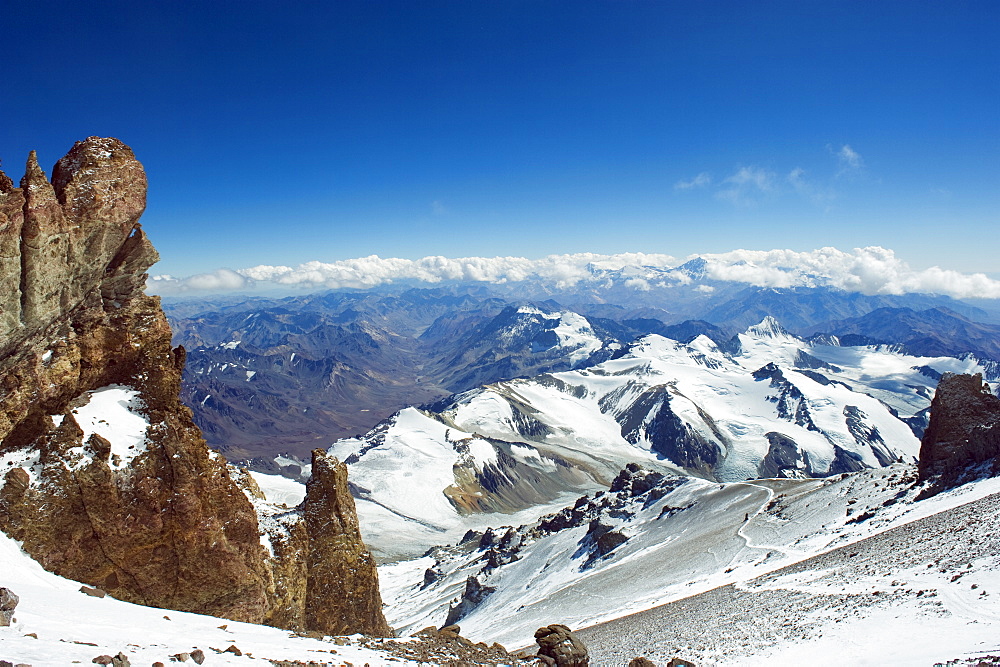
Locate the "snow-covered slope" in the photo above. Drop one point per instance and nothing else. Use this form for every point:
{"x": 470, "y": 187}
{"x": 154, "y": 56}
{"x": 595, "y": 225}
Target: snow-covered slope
{"x": 571, "y": 333}
{"x": 767, "y": 404}
{"x": 56, "y": 624}
{"x": 419, "y": 481}
{"x": 921, "y": 593}
{"x": 653, "y": 539}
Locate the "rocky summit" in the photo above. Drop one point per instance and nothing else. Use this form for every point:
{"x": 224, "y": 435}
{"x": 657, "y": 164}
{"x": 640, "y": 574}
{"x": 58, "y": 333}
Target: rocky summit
{"x": 105, "y": 478}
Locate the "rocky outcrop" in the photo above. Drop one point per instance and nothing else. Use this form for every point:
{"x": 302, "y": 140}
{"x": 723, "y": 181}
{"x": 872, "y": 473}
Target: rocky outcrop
{"x": 474, "y": 595}
{"x": 342, "y": 595}
{"x": 324, "y": 578}
{"x": 162, "y": 529}
{"x": 155, "y": 519}
{"x": 964, "y": 431}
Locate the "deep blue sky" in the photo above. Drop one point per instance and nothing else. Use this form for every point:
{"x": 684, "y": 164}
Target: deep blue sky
{"x": 277, "y": 133}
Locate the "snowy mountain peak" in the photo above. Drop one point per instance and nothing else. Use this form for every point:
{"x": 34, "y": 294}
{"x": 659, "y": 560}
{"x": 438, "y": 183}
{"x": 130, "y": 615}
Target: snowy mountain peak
{"x": 768, "y": 328}
{"x": 543, "y": 330}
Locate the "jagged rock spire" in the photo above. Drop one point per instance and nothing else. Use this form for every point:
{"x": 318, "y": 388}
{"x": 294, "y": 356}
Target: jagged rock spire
{"x": 342, "y": 594}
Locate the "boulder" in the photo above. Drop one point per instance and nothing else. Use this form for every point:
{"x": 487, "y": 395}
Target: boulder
{"x": 8, "y": 601}
{"x": 559, "y": 644}
{"x": 92, "y": 592}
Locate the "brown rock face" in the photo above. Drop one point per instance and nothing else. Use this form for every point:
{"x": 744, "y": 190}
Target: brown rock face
{"x": 964, "y": 429}
{"x": 170, "y": 528}
{"x": 165, "y": 526}
{"x": 342, "y": 593}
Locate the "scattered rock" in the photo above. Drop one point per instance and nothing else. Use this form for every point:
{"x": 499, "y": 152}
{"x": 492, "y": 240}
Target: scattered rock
{"x": 443, "y": 646}
{"x": 92, "y": 592}
{"x": 558, "y": 643}
{"x": 8, "y": 601}
{"x": 232, "y": 649}
{"x": 198, "y": 656}
{"x": 641, "y": 661}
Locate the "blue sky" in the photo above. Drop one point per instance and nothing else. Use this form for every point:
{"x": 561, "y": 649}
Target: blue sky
{"x": 279, "y": 133}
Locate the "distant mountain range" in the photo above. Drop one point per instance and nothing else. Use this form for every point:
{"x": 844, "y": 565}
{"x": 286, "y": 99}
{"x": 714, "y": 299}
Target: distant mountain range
{"x": 932, "y": 332}
{"x": 284, "y": 375}
{"x": 767, "y": 404}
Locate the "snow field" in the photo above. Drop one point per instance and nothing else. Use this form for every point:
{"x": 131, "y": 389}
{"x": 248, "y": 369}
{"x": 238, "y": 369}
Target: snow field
{"x": 74, "y": 627}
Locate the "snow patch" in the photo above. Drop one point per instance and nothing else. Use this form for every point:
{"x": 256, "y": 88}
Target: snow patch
{"x": 115, "y": 413}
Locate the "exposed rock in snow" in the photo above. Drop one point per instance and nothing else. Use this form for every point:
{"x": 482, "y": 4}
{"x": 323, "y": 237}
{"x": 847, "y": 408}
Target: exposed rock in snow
{"x": 964, "y": 431}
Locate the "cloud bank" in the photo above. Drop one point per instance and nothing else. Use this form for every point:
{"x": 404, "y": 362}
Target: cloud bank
{"x": 871, "y": 270}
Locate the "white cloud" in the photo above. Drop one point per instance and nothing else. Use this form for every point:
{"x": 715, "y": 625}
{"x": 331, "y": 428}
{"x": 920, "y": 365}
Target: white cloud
{"x": 871, "y": 270}
{"x": 638, "y": 284}
{"x": 849, "y": 160}
{"x": 745, "y": 187}
{"x": 702, "y": 180}
{"x": 220, "y": 280}
{"x": 807, "y": 188}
